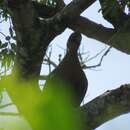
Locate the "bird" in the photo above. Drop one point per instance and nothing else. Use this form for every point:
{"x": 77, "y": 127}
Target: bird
{"x": 69, "y": 74}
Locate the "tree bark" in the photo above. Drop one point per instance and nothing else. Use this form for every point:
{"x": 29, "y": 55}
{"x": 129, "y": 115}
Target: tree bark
{"x": 107, "y": 106}
{"x": 118, "y": 39}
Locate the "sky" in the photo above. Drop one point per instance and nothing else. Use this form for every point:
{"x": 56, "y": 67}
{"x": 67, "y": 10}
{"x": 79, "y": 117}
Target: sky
{"x": 113, "y": 72}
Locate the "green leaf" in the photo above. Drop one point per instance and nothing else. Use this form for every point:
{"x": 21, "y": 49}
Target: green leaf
{"x": 13, "y": 46}
{"x": 14, "y": 37}
{"x": 4, "y": 51}
{"x": 4, "y": 45}
{"x": 11, "y": 55}
{"x": 11, "y": 31}
{"x": 3, "y": 62}
{"x": 7, "y": 38}
{"x": 8, "y": 60}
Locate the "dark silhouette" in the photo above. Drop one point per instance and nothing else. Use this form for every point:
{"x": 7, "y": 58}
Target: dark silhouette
{"x": 69, "y": 73}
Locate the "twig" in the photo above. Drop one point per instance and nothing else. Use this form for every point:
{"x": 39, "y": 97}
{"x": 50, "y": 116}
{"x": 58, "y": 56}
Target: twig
{"x": 6, "y": 105}
{"x": 2, "y": 20}
{"x": 2, "y": 34}
{"x": 9, "y": 114}
{"x": 43, "y": 77}
{"x": 50, "y": 62}
{"x": 5, "y": 71}
{"x": 50, "y": 58}
{"x": 91, "y": 58}
{"x": 100, "y": 62}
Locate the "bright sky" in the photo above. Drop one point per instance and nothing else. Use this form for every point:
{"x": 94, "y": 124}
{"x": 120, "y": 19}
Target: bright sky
{"x": 113, "y": 72}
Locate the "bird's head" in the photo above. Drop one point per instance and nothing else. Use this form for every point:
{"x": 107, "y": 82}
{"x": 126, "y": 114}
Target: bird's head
{"x": 74, "y": 42}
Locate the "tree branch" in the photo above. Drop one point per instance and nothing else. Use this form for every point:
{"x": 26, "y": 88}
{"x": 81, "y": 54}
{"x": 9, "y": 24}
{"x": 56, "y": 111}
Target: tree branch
{"x": 43, "y": 77}
{"x": 49, "y": 61}
{"x": 105, "y": 107}
{"x": 75, "y": 8}
{"x": 6, "y": 105}
{"x": 71, "y": 11}
{"x": 100, "y": 62}
{"x": 69, "y": 15}
{"x": 9, "y": 114}
{"x": 113, "y": 12}
{"x": 118, "y": 39}
{"x": 91, "y": 29}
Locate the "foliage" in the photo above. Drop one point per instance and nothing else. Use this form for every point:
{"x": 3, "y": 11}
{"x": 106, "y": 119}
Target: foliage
{"x": 124, "y": 3}
{"x": 115, "y": 5}
{"x": 53, "y": 109}
{"x": 50, "y": 3}
{"x": 3, "y": 10}
{"x": 7, "y": 42}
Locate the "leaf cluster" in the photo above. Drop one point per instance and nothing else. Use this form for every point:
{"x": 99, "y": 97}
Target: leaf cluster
{"x": 3, "y": 11}
{"x": 50, "y": 3}
{"x": 124, "y": 3}
{"x": 7, "y": 51}
{"x": 114, "y": 6}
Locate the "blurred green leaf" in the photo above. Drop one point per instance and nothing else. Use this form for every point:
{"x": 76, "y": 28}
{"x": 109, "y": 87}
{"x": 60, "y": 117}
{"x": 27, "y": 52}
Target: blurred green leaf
{"x": 50, "y": 111}
{"x": 56, "y": 109}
